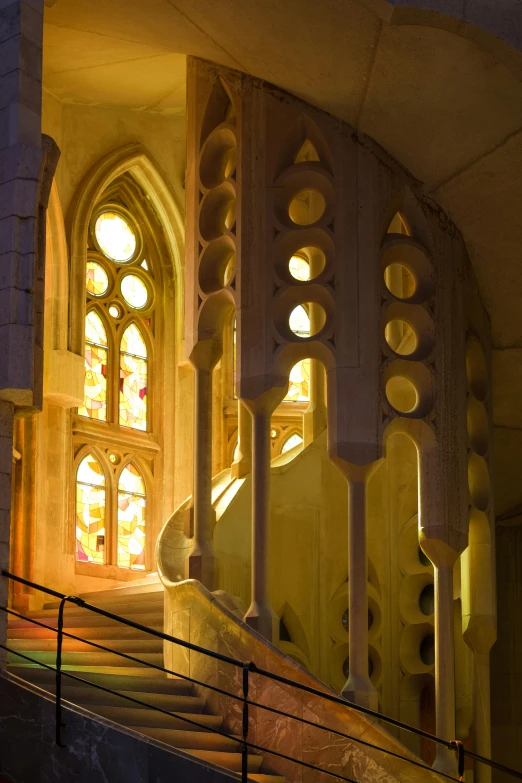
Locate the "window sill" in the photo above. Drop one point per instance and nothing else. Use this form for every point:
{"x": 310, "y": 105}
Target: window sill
{"x": 108, "y": 572}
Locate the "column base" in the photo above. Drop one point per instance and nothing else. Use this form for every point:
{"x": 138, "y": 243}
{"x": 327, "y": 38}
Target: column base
{"x": 200, "y": 564}
{"x": 263, "y": 619}
{"x": 361, "y": 690}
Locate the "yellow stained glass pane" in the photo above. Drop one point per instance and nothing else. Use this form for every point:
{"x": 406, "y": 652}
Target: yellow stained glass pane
{"x": 133, "y": 379}
{"x": 115, "y": 236}
{"x": 234, "y": 358}
{"x": 97, "y": 280}
{"x": 299, "y": 268}
{"x": 90, "y": 511}
{"x": 299, "y": 385}
{"x": 132, "y": 505}
{"x": 291, "y": 442}
{"x": 299, "y": 322}
{"x": 96, "y": 355}
{"x": 134, "y": 291}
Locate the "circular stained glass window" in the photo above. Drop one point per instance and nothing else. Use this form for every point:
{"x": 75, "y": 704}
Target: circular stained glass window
{"x": 115, "y": 236}
{"x": 115, "y": 311}
{"x": 134, "y": 291}
{"x": 96, "y": 279}
{"x": 299, "y": 268}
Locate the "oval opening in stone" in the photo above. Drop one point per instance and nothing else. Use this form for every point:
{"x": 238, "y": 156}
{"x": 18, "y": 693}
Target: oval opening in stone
{"x": 401, "y": 394}
{"x": 307, "y": 319}
{"x": 115, "y": 311}
{"x": 97, "y": 279}
{"x": 134, "y": 291}
{"x": 307, "y": 207}
{"x": 427, "y": 650}
{"x": 115, "y": 236}
{"x": 307, "y": 263}
{"x": 477, "y": 370}
{"x": 400, "y": 337}
{"x": 427, "y": 600}
{"x": 399, "y": 281}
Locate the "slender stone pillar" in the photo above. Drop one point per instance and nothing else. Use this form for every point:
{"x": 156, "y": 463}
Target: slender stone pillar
{"x": 358, "y": 688}
{"x": 243, "y": 465}
{"x": 315, "y": 416}
{"x": 260, "y": 614}
{"x": 200, "y": 562}
{"x": 443, "y": 558}
{"x": 482, "y": 715}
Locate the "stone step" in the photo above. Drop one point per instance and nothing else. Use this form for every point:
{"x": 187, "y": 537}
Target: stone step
{"x": 96, "y": 597}
{"x": 205, "y": 741}
{"x": 119, "y": 680}
{"x": 101, "y": 633}
{"x": 95, "y": 700}
{"x": 140, "y": 716}
{"x": 90, "y": 659}
{"x": 131, "y": 646}
{"x": 81, "y": 671}
{"x": 261, "y": 778}
{"x": 123, "y": 608}
{"x": 230, "y": 761}
{"x": 91, "y": 620}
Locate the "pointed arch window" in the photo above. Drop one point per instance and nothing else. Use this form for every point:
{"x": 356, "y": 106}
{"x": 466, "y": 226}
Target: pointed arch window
{"x": 133, "y": 379}
{"x": 96, "y": 359}
{"x": 90, "y": 511}
{"x": 132, "y": 505}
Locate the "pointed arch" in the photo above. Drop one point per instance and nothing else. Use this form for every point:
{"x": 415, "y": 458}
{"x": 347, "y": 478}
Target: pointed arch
{"x": 406, "y": 209}
{"x": 220, "y": 108}
{"x": 304, "y": 136}
{"x": 131, "y": 518}
{"x": 90, "y": 510}
{"x": 95, "y": 392}
{"x": 134, "y": 371}
{"x": 132, "y": 159}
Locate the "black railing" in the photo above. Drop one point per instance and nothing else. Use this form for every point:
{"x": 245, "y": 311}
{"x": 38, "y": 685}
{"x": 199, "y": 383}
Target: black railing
{"x": 247, "y": 669}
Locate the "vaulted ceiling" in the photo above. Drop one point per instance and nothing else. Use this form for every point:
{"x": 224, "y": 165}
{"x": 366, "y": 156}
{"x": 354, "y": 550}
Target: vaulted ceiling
{"x": 439, "y": 92}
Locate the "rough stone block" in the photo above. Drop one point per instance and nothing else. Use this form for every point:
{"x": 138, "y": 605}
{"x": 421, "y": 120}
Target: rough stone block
{"x": 20, "y": 53}
{"x": 5, "y": 497}
{"x": 21, "y": 17}
{"x": 18, "y": 234}
{"x": 19, "y": 197}
{"x": 18, "y": 87}
{"x": 20, "y": 161}
{"x": 19, "y": 125}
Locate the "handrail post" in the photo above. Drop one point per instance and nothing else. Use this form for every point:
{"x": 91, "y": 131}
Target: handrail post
{"x": 244, "y": 752}
{"x": 58, "y": 706}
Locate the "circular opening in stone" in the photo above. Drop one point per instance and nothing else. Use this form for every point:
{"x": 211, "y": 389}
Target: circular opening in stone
{"x": 96, "y": 279}
{"x": 218, "y": 212}
{"x": 115, "y": 236}
{"x": 307, "y": 263}
{"x": 229, "y": 269}
{"x": 134, "y": 291}
{"x": 115, "y": 310}
{"x": 400, "y": 337}
{"x": 427, "y": 600}
{"x": 401, "y": 394}
{"x": 427, "y": 650}
{"x": 476, "y": 370}
{"x": 218, "y": 160}
{"x": 423, "y": 558}
{"x": 307, "y": 207}
{"x": 478, "y": 482}
{"x": 399, "y": 281}
{"x": 478, "y": 426}
{"x": 301, "y": 323}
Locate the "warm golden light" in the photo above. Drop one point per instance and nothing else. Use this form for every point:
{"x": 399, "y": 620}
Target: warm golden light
{"x": 115, "y": 237}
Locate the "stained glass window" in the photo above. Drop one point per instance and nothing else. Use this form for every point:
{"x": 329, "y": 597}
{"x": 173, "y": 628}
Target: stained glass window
{"x": 234, "y": 358}
{"x": 132, "y": 506}
{"x": 115, "y": 236}
{"x": 299, "y": 268}
{"x": 299, "y": 321}
{"x": 90, "y": 511}
{"x": 96, "y": 355}
{"x": 291, "y": 442}
{"x": 134, "y": 291}
{"x": 133, "y": 379}
{"x": 97, "y": 279}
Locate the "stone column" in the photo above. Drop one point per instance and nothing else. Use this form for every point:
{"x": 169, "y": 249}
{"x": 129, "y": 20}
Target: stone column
{"x": 260, "y": 614}
{"x": 243, "y": 465}
{"x": 200, "y": 562}
{"x": 315, "y": 416}
{"x": 443, "y": 558}
{"x": 358, "y": 688}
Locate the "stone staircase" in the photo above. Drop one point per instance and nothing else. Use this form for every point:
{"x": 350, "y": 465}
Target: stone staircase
{"x": 142, "y": 603}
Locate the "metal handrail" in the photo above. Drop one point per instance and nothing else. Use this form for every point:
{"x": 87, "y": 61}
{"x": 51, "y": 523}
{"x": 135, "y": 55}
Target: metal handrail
{"x": 247, "y": 668}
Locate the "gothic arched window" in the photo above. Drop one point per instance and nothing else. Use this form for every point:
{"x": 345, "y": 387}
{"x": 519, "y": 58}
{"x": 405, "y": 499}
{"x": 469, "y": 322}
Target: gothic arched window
{"x": 115, "y": 418}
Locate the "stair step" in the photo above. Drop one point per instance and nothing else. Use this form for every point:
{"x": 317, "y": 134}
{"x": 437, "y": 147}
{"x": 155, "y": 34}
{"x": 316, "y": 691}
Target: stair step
{"x": 123, "y": 608}
{"x": 262, "y": 778}
{"x": 130, "y": 646}
{"x": 81, "y": 671}
{"x": 140, "y": 716}
{"x": 205, "y": 741}
{"x": 88, "y": 658}
{"x": 230, "y": 761}
{"x": 30, "y": 631}
{"x": 90, "y": 619}
{"x": 119, "y": 680}
{"x": 96, "y": 597}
